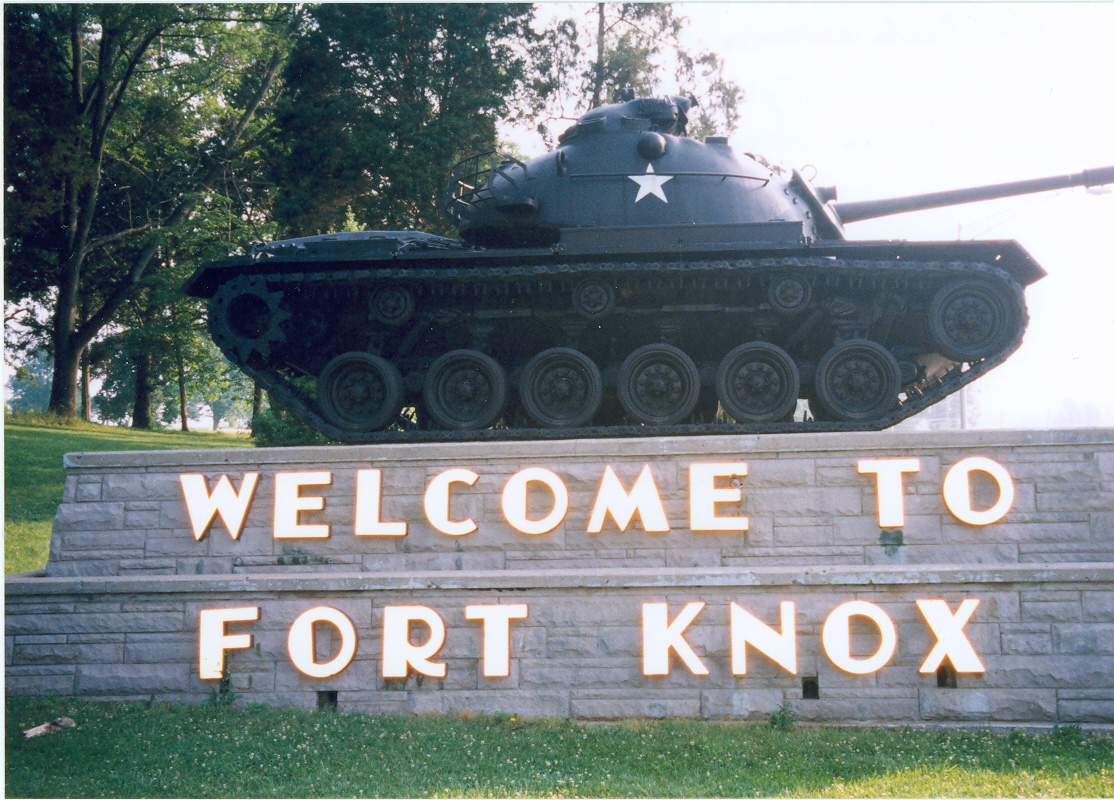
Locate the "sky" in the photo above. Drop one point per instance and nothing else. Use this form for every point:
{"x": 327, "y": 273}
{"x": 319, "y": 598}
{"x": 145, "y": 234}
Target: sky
{"x": 892, "y": 99}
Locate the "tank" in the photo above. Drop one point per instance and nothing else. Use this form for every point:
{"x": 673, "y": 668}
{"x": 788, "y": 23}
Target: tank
{"x": 631, "y": 282}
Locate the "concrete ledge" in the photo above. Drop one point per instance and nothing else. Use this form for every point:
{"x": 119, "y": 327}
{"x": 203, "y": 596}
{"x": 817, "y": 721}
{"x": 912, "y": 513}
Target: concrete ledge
{"x": 776, "y": 444}
{"x": 849, "y": 576}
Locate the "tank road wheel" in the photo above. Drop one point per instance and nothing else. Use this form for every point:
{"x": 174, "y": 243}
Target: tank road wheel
{"x": 658, "y": 385}
{"x": 790, "y": 293}
{"x": 465, "y": 389}
{"x": 758, "y": 382}
{"x": 392, "y": 305}
{"x": 359, "y": 392}
{"x": 593, "y": 299}
{"x": 970, "y": 320}
{"x": 246, "y": 318}
{"x": 561, "y": 388}
{"x": 858, "y": 381}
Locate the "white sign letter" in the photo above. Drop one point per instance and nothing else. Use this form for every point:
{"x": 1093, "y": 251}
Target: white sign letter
{"x": 514, "y": 501}
{"x": 891, "y": 494}
{"x": 957, "y": 491}
{"x": 398, "y": 653}
{"x": 951, "y": 641}
{"x": 302, "y": 646}
{"x": 369, "y": 493}
{"x": 497, "y": 635}
{"x": 213, "y": 641}
{"x": 643, "y": 498}
{"x": 232, "y": 506}
{"x": 837, "y": 637}
{"x": 288, "y": 504}
{"x": 658, "y": 636}
{"x": 703, "y": 496}
{"x": 437, "y": 501}
{"x": 780, "y": 647}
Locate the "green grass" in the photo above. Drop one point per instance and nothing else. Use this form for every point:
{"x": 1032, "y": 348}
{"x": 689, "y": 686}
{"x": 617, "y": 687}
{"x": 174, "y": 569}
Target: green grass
{"x": 33, "y": 473}
{"x": 206, "y": 750}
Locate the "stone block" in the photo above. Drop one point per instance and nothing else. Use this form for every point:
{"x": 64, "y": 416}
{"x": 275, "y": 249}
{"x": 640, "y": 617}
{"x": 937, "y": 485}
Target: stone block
{"x": 1101, "y": 711}
{"x": 1098, "y": 606}
{"x": 89, "y": 517}
{"x": 1027, "y": 640}
{"x": 989, "y": 705}
{"x": 833, "y": 501}
{"x": 596, "y": 706}
{"x": 67, "y": 654}
{"x": 94, "y": 623}
{"x": 88, "y": 491}
{"x": 899, "y": 706}
{"x": 151, "y": 486}
{"x": 1086, "y": 639}
{"x": 130, "y": 680}
{"x": 1051, "y": 610}
{"x": 750, "y": 704}
{"x": 39, "y": 680}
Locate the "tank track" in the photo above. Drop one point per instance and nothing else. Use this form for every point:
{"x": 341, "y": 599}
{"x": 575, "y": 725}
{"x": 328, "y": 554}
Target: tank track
{"x": 880, "y": 290}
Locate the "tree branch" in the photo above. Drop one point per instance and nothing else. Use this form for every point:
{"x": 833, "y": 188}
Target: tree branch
{"x": 113, "y": 237}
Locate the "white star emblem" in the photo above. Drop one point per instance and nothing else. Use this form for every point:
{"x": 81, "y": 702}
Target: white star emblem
{"x": 651, "y": 184}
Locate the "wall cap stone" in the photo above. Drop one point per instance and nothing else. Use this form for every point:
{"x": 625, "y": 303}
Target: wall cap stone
{"x": 18, "y": 587}
{"x": 816, "y": 444}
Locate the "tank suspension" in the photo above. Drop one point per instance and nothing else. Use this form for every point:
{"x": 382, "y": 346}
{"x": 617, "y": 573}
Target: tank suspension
{"x": 593, "y": 357}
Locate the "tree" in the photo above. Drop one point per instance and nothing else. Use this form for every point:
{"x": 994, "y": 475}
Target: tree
{"x": 29, "y": 385}
{"x": 617, "y": 46}
{"x": 92, "y": 93}
{"x": 382, "y": 99}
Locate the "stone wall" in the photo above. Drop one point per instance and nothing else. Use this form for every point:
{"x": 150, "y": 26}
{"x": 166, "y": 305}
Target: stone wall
{"x": 123, "y": 513}
{"x": 1045, "y": 635}
{"x": 116, "y": 616}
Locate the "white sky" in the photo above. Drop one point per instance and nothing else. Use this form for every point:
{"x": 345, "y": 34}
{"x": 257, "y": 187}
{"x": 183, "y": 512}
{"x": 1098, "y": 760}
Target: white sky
{"x": 894, "y": 99}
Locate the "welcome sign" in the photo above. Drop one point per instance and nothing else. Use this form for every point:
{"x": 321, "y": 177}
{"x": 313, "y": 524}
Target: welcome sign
{"x": 940, "y": 577}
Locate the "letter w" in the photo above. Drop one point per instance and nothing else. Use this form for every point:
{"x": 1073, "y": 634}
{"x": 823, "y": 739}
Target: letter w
{"x": 232, "y": 506}
{"x": 643, "y": 498}
{"x": 780, "y": 647}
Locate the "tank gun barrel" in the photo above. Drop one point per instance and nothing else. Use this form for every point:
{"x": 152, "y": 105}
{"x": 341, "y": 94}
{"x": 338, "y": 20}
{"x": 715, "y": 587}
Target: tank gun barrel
{"x": 870, "y": 209}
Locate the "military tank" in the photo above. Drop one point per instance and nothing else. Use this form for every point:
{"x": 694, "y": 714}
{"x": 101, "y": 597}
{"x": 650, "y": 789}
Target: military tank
{"x": 631, "y": 282}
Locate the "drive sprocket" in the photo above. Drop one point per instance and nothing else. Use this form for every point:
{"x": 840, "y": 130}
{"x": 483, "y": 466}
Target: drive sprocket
{"x": 245, "y": 317}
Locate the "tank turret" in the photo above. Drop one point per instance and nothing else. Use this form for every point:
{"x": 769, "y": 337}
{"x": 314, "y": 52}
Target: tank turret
{"x": 631, "y": 282}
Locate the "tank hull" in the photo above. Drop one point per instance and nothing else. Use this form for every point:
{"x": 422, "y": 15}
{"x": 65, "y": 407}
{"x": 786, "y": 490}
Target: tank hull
{"x": 685, "y": 335}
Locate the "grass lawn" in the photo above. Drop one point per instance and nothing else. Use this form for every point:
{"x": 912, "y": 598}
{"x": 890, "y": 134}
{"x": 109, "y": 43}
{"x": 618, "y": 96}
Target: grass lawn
{"x": 205, "y": 751}
{"x": 33, "y": 475}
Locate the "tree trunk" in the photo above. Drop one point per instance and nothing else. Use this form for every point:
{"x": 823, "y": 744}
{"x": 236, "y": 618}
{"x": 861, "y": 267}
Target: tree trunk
{"x": 256, "y": 403}
{"x": 63, "y": 385}
{"x": 597, "y": 80}
{"x": 86, "y": 404}
{"x": 182, "y": 394}
{"x": 141, "y": 415}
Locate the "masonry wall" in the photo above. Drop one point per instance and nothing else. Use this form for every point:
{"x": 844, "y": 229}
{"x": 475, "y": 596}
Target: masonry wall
{"x": 1045, "y": 636}
{"x": 116, "y": 615}
{"x": 123, "y": 513}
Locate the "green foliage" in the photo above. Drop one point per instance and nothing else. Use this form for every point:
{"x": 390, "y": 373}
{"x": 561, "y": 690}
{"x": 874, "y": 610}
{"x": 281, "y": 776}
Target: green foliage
{"x": 381, "y": 100}
{"x": 35, "y": 444}
{"x": 784, "y": 718}
{"x": 208, "y": 750}
{"x": 222, "y": 694}
{"x": 30, "y": 385}
{"x": 279, "y": 428}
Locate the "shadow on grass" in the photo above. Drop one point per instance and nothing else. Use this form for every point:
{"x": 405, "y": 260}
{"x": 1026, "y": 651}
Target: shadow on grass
{"x": 205, "y": 751}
